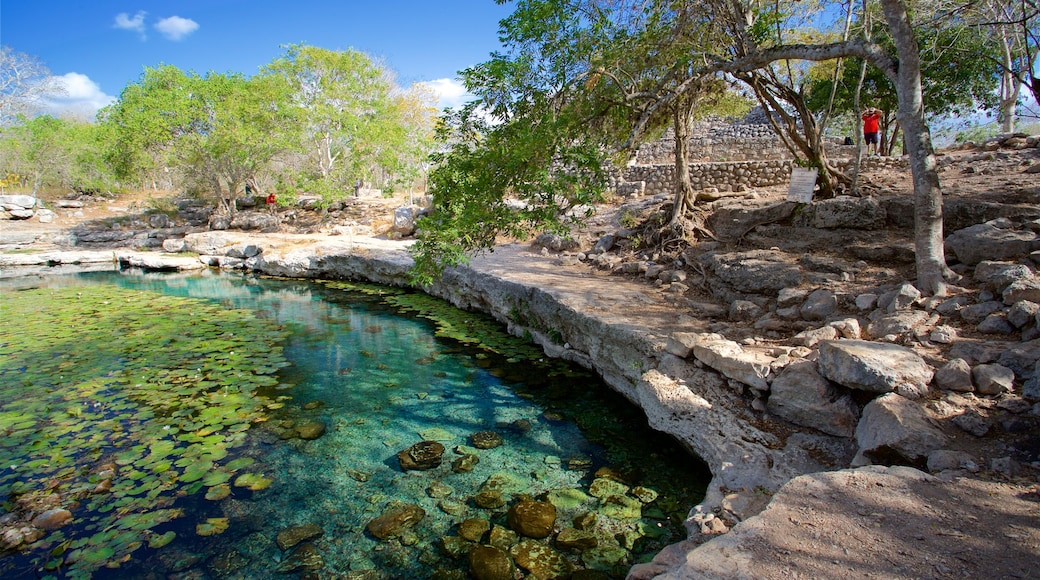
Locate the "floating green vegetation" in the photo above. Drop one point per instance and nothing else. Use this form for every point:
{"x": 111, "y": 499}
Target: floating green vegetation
{"x": 115, "y": 402}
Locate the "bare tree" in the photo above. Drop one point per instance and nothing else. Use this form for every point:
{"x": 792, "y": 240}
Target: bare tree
{"x": 24, "y": 81}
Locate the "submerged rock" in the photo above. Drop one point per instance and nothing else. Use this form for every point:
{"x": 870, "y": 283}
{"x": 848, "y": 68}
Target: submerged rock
{"x": 304, "y": 557}
{"x": 52, "y": 519}
{"x": 396, "y": 520}
{"x": 465, "y": 464}
{"x": 474, "y": 529}
{"x": 577, "y": 540}
{"x": 540, "y": 560}
{"x": 490, "y": 563}
{"x": 311, "y": 430}
{"x": 421, "y": 456}
{"x": 290, "y": 537}
{"x": 486, "y": 440}
{"x": 534, "y": 519}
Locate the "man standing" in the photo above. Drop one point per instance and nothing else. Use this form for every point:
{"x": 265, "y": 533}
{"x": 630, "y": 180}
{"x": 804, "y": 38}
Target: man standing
{"x": 870, "y": 129}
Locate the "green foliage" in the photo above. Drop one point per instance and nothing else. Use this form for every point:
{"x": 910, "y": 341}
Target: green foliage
{"x": 958, "y": 75}
{"x": 352, "y": 116}
{"x": 56, "y": 153}
{"x": 220, "y": 130}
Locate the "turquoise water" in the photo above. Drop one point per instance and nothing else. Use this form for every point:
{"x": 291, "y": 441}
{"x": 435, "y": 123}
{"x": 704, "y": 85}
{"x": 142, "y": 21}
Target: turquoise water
{"x": 380, "y": 380}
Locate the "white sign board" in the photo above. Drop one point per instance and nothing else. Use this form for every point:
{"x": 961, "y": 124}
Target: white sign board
{"x": 803, "y": 182}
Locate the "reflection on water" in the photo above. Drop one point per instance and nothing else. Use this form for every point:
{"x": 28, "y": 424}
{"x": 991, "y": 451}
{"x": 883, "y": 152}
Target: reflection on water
{"x": 379, "y": 382}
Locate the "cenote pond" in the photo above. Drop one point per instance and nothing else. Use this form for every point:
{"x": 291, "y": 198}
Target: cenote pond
{"x": 227, "y": 426}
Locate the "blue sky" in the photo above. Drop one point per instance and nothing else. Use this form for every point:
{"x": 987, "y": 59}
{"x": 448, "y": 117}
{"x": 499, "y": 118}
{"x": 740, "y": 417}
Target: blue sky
{"x": 97, "y": 47}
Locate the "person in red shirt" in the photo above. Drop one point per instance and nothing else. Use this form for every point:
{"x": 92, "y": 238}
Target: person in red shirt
{"x": 272, "y": 203}
{"x": 870, "y": 129}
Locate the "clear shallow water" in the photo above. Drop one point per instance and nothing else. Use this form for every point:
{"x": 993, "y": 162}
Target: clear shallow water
{"x": 382, "y": 381}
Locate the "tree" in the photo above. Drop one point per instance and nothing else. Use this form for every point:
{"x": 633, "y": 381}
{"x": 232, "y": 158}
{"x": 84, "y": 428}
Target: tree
{"x": 240, "y": 127}
{"x": 532, "y": 85}
{"x": 575, "y": 78}
{"x": 350, "y": 110}
{"x": 221, "y": 131}
{"x": 24, "y": 81}
{"x": 957, "y": 63}
{"x": 55, "y": 153}
{"x": 1013, "y": 26}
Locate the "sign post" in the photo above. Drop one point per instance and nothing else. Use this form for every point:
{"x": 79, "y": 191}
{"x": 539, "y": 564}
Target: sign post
{"x": 803, "y": 182}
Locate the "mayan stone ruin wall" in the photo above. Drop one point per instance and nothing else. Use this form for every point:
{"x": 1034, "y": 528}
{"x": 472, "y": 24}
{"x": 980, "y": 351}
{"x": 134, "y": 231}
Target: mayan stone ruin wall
{"x": 726, "y": 157}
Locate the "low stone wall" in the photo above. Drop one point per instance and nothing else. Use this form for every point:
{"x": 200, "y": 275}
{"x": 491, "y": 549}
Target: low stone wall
{"x": 729, "y": 176}
{"x": 705, "y": 148}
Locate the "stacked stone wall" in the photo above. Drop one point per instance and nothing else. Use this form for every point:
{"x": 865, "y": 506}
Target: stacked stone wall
{"x": 656, "y": 179}
{"x": 724, "y": 176}
{"x": 727, "y": 157}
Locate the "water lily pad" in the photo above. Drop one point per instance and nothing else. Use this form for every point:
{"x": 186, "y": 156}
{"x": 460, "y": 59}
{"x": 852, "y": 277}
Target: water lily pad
{"x": 218, "y": 492}
{"x": 212, "y": 526}
{"x": 253, "y": 481}
{"x": 196, "y": 471}
{"x": 157, "y": 541}
{"x": 236, "y": 464}
{"x": 216, "y": 477}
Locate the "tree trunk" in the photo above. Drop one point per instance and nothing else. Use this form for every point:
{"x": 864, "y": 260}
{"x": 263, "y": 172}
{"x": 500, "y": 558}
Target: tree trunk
{"x": 928, "y": 226}
{"x": 683, "y": 187}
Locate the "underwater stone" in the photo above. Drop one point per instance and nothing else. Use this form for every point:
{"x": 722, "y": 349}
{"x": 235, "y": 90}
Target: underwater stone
{"x": 489, "y": 499}
{"x": 465, "y": 464}
{"x": 474, "y": 529}
{"x": 358, "y": 475}
{"x": 585, "y": 521}
{"x": 304, "y": 557}
{"x": 534, "y": 519}
{"x": 454, "y": 546}
{"x": 573, "y": 539}
{"x": 395, "y": 520}
{"x": 566, "y": 499}
{"x": 490, "y": 563}
{"x": 579, "y": 463}
{"x": 644, "y": 494}
{"x": 52, "y": 519}
{"x": 226, "y": 563}
{"x": 602, "y": 487}
{"x": 452, "y": 508}
{"x": 438, "y": 490}
{"x": 436, "y": 434}
{"x": 621, "y": 507}
{"x": 502, "y": 537}
{"x": 486, "y": 440}
{"x": 540, "y": 560}
{"x": 311, "y": 430}
{"x": 421, "y": 456}
{"x": 290, "y": 537}
{"x": 14, "y": 537}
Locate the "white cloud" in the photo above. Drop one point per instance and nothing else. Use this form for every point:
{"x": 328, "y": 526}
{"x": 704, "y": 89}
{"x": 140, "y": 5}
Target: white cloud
{"x": 136, "y": 23}
{"x": 78, "y": 97}
{"x": 450, "y": 92}
{"x": 176, "y": 28}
